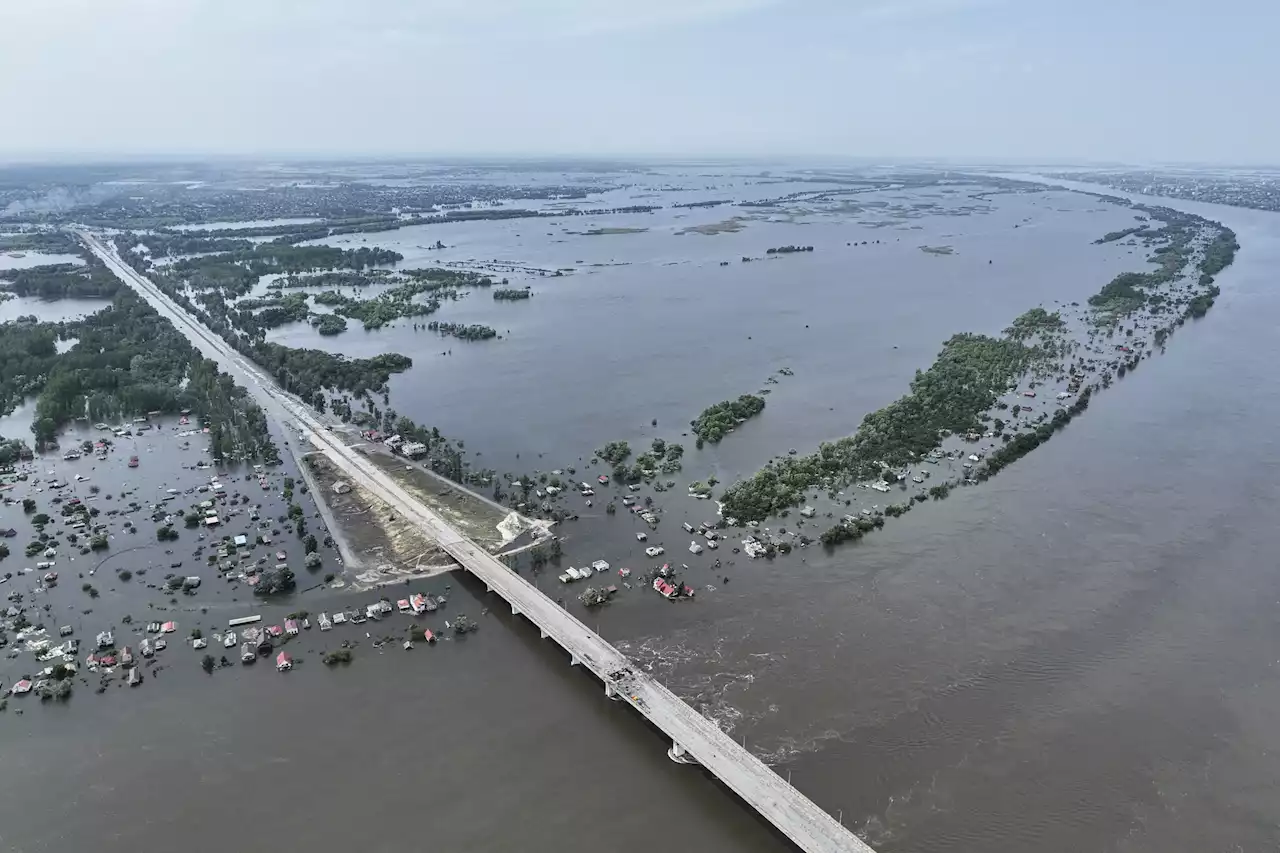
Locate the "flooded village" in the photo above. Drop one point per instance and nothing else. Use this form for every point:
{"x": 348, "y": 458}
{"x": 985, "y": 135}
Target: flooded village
{"x": 700, "y": 448}
{"x": 221, "y": 559}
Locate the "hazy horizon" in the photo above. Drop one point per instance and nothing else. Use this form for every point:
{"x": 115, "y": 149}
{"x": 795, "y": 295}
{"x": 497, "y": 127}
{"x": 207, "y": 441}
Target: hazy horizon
{"x": 974, "y": 81}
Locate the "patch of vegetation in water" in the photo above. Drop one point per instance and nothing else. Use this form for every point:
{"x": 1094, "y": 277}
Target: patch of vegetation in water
{"x": 1113, "y": 236}
{"x": 959, "y": 390}
{"x": 725, "y": 226}
{"x": 384, "y": 308}
{"x": 719, "y": 420}
{"x": 89, "y": 280}
{"x": 614, "y": 452}
{"x": 473, "y": 332}
{"x": 601, "y": 232}
{"x": 966, "y": 380}
{"x": 1037, "y": 321}
{"x": 329, "y": 324}
{"x": 277, "y": 312}
{"x": 235, "y": 273}
{"x": 52, "y": 242}
{"x": 333, "y": 278}
{"x": 307, "y": 372}
{"x": 127, "y": 360}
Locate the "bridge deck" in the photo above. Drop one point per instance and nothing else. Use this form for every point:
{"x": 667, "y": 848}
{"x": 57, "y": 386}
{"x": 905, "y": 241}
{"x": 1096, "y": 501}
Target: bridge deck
{"x": 693, "y": 735}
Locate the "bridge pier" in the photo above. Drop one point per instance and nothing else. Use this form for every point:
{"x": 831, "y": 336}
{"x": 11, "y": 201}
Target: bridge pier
{"x": 611, "y": 692}
{"x": 542, "y": 634}
{"x": 515, "y": 611}
{"x": 573, "y": 659}
{"x": 678, "y": 754}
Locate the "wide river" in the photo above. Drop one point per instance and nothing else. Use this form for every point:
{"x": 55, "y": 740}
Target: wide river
{"x": 1080, "y": 655}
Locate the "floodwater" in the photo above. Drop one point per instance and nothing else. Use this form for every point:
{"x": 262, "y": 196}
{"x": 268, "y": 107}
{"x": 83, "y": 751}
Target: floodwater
{"x": 651, "y": 326}
{"x": 1076, "y": 655}
{"x": 35, "y": 259}
{"x": 52, "y": 311}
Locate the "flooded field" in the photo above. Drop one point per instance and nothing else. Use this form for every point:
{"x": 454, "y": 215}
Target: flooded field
{"x": 1075, "y": 655}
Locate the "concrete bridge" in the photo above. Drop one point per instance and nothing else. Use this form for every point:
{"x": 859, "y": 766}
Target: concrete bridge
{"x": 694, "y": 738}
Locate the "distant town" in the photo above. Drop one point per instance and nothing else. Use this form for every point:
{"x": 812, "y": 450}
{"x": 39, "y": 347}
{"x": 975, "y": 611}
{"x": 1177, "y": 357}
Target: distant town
{"x": 1257, "y": 189}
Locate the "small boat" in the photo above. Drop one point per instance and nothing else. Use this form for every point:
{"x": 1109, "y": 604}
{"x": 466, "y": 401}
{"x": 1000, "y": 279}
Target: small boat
{"x": 247, "y": 653}
{"x": 229, "y": 641}
{"x": 133, "y": 462}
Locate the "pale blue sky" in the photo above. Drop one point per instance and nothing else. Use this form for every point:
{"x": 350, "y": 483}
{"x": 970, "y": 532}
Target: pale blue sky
{"x": 1130, "y": 80}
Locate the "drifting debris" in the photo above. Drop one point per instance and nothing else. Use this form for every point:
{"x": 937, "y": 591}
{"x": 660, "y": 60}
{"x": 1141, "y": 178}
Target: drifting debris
{"x": 593, "y": 597}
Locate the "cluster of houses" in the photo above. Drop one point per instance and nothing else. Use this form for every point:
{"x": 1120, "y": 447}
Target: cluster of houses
{"x": 411, "y": 449}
